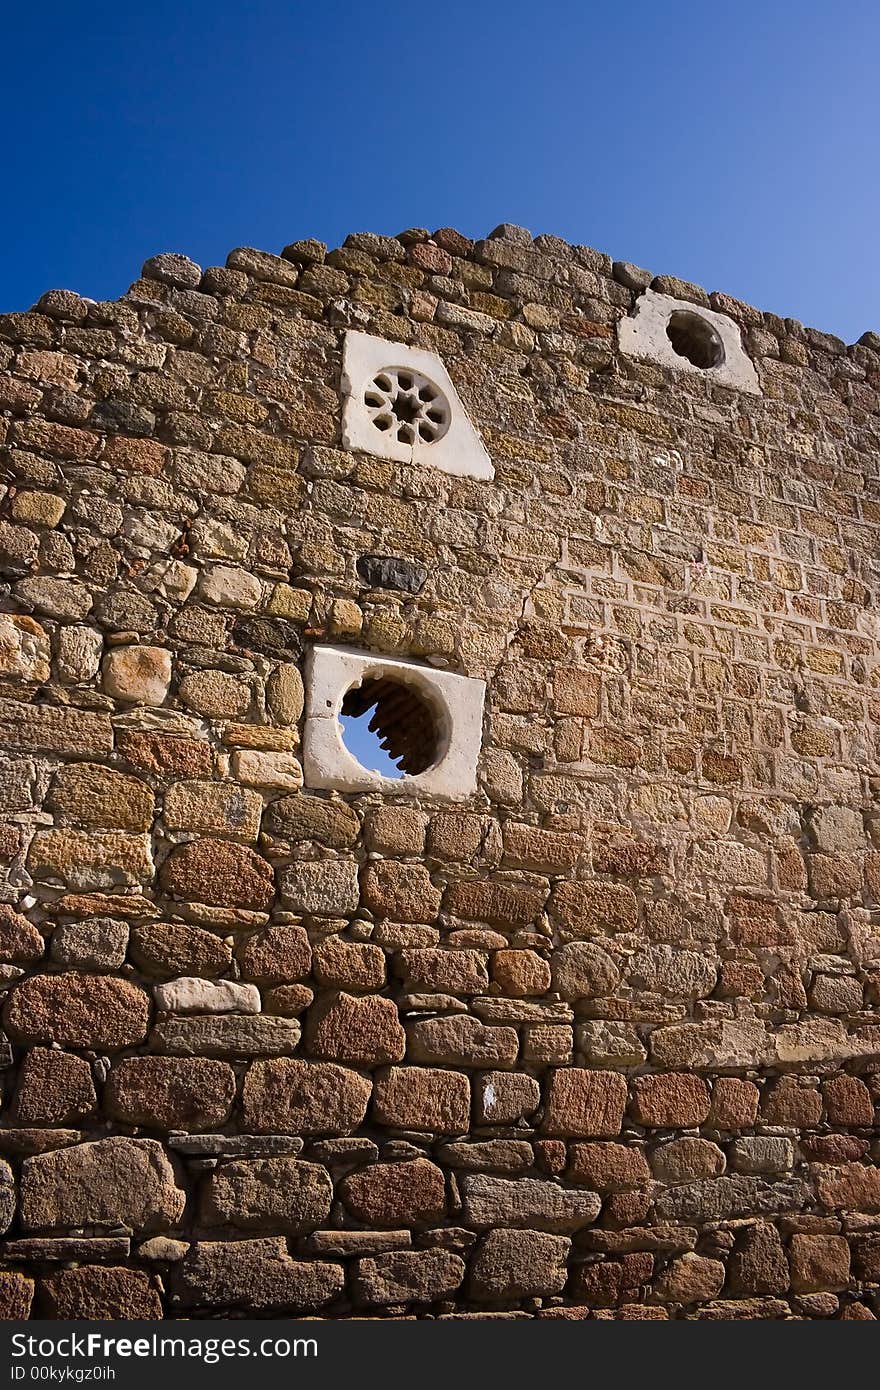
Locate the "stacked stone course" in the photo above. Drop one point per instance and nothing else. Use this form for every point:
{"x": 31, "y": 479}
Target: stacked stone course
{"x": 599, "y": 1041}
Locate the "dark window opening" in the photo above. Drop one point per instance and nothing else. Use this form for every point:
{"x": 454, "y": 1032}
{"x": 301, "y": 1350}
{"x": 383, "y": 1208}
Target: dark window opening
{"x": 693, "y": 338}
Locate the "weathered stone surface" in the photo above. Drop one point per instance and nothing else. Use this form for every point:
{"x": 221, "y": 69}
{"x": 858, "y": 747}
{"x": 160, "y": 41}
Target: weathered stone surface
{"x": 852, "y": 1186}
{"x": 298, "y": 1097}
{"x": 192, "y": 995}
{"x": 447, "y": 972}
{"x": 310, "y": 817}
{"x": 422, "y": 1098}
{"x": 212, "y": 808}
{"x": 351, "y": 1028}
{"x": 530, "y": 1202}
{"x": 519, "y": 1264}
{"x": 94, "y": 796}
{"x": 90, "y": 860}
{"x": 170, "y": 1092}
{"x": 498, "y": 904}
{"x": 169, "y": 948}
{"x": 277, "y": 955}
{"x": 758, "y": 1264}
{"x": 256, "y": 1275}
{"x": 504, "y": 1098}
{"x": 45, "y": 728}
{"x": 16, "y": 1296}
{"x": 72, "y": 1010}
{"x": 582, "y": 970}
{"x": 396, "y": 1194}
{"x": 98, "y": 1294}
{"x": 140, "y": 675}
{"x": 111, "y": 1182}
{"x": 461, "y": 1040}
{"x": 220, "y": 873}
{"x": 19, "y": 938}
{"x": 686, "y": 1160}
{"x": 226, "y": 1035}
{"x": 670, "y": 1099}
{"x": 407, "y": 1276}
{"x": 7, "y": 1196}
{"x": 24, "y": 648}
{"x": 762, "y": 1153}
{"x": 349, "y": 965}
{"x": 819, "y": 1262}
{"x": 281, "y": 1194}
{"x": 54, "y": 1088}
{"x": 607, "y": 1167}
{"x": 326, "y": 889}
{"x": 720, "y": 1198}
{"x": 403, "y": 892}
{"x": 95, "y": 944}
{"x": 690, "y": 1279}
{"x": 583, "y": 1103}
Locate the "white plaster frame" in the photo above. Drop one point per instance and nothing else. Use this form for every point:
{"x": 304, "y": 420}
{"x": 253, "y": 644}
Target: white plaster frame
{"x": 460, "y": 451}
{"x": 457, "y": 702}
{"x": 643, "y": 335}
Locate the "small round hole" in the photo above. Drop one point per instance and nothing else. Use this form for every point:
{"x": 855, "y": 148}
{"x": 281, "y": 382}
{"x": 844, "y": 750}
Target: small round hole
{"x": 390, "y": 728}
{"x": 694, "y": 338}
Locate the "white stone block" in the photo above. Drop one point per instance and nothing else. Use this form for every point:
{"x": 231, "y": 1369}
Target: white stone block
{"x": 645, "y": 335}
{"x": 400, "y": 404}
{"x": 456, "y": 703}
{"x": 191, "y": 995}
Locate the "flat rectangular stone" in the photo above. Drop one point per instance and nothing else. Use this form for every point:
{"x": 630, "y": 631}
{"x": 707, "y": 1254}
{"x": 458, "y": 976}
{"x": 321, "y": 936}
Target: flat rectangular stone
{"x": 190, "y": 994}
{"x": 521, "y": 1011}
{"x": 226, "y": 1035}
{"x": 237, "y": 1145}
{"x": 67, "y": 1248}
{"x": 45, "y": 728}
{"x": 357, "y": 1242}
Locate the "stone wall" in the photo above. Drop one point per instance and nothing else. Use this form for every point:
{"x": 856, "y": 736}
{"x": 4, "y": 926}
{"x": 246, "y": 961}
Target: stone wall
{"x": 598, "y": 1041}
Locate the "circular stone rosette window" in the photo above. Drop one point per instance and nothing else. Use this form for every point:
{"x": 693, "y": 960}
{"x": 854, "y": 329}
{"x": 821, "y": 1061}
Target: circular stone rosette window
{"x": 407, "y": 405}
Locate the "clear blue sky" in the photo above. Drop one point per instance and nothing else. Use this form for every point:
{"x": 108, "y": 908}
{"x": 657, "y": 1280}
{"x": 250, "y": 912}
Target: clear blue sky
{"x": 735, "y": 145}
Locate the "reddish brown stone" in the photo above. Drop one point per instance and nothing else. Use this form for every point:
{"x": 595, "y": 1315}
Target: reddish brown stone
{"x": 584, "y": 1103}
{"x": 498, "y": 904}
{"x": 287, "y": 1000}
{"x": 598, "y": 1285}
{"x": 852, "y": 1186}
{"x": 734, "y": 1103}
{"x": 794, "y": 1101}
{"x": 519, "y": 974}
{"x": 848, "y": 1101}
{"x": 396, "y": 1194}
{"x": 54, "y": 1088}
{"x": 94, "y": 1293}
{"x": 170, "y": 1092}
{"x": 351, "y": 1028}
{"x": 219, "y": 873}
{"x": 16, "y": 1295}
{"x": 866, "y": 1256}
{"x": 670, "y": 1100}
{"x": 287, "y": 1096}
{"x": 170, "y": 949}
{"x": 95, "y": 1011}
{"x": 19, "y": 938}
{"x": 576, "y": 691}
{"x": 401, "y": 892}
{"x": 593, "y": 909}
{"x": 277, "y": 955}
{"x": 422, "y": 1098}
{"x": 833, "y": 1148}
{"x": 819, "y": 1263}
{"x": 164, "y": 754}
{"x": 349, "y": 965}
{"x": 758, "y": 1264}
{"x": 607, "y": 1167}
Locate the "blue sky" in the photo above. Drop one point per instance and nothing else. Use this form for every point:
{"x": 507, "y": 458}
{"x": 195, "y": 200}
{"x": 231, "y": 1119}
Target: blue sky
{"x": 731, "y": 145}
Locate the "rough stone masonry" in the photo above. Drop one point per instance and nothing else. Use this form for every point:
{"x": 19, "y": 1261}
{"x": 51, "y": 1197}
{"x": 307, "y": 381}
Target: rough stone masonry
{"x": 599, "y": 1040}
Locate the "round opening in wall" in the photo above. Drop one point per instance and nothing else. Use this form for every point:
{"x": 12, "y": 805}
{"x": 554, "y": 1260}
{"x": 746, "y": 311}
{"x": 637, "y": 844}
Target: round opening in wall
{"x": 403, "y": 403}
{"x": 694, "y": 338}
{"x": 390, "y": 728}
